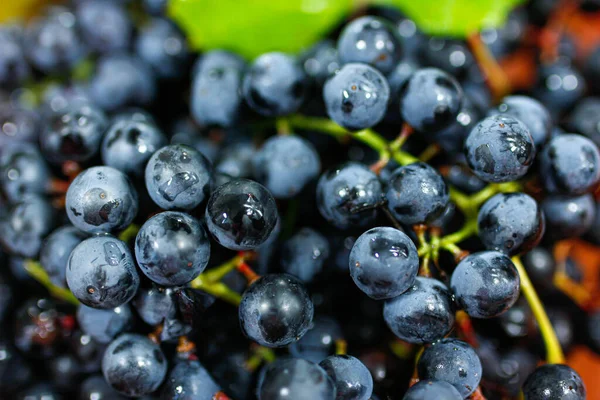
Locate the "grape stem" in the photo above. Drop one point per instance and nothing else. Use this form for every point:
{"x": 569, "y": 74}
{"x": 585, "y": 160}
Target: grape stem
{"x": 554, "y": 353}
{"x": 129, "y": 233}
{"x": 37, "y": 272}
{"x": 259, "y": 355}
{"x": 341, "y": 347}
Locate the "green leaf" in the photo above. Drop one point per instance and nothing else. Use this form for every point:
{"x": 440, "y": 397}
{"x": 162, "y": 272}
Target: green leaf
{"x": 252, "y": 27}
{"x": 454, "y": 17}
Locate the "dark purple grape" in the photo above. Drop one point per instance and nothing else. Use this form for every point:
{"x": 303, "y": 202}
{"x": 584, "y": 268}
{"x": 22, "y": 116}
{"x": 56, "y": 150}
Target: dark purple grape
{"x": 554, "y": 381}
{"x": 104, "y": 325}
{"x": 304, "y": 253}
{"x": 23, "y": 170}
{"x": 432, "y": 389}
{"x": 55, "y": 252}
{"x": 189, "y": 380}
{"x": 296, "y": 379}
{"x": 351, "y": 378}
{"x": 319, "y": 341}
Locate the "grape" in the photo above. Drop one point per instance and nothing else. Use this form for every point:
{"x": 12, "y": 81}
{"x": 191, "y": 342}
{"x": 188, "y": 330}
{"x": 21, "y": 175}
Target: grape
{"x": 296, "y": 379}
{"x": 559, "y": 86}
{"x": 321, "y": 61}
{"x": 216, "y": 97}
{"x": 25, "y": 225}
{"x": 155, "y": 7}
{"x": 285, "y": 164}
{"x": 40, "y": 391}
{"x": 241, "y": 214}
{"x": 452, "y": 361}
{"x": 452, "y": 137}
{"x": 105, "y": 25}
{"x": 416, "y": 194}
{"x": 430, "y": 100}
{"x": 464, "y": 179}
{"x": 585, "y": 118}
{"x": 399, "y": 75}
{"x": 554, "y": 381}
{"x": 356, "y": 97}
{"x": 55, "y": 252}
{"x": 348, "y": 194}
{"x": 129, "y": 144}
{"x": 162, "y": 46}
{"x": 104, "y": 325}
{"x": 74, "y": 133}
{"x": 452, "y": 56}
{"x": 384, "y": 263}
{"x": 274, "y": 85}
{"x": 485, "y": 284}
{"x": 172, "y": 248}
{"x": 52, "y": 43}
{"x": 18, "y": 124}
{"x": 304, "y": 253}
{"x": 122, "y": 80}
{"x": 570, "y": 164}
{"x": 422, "y": 314}
{"x": 96, "y": 388}
{"x": 500, "y": 149}
{"x": 236, "y": 160}
{"x": 134, "y": 365}
{"x": 189, "y": 380}
{"x": 540, "y": 267}
{"x": 511, "y": 223}
{"x": 276, "y": 310}
{"x": 351, "y": 378}
{"x": 369, "y": 40}
{"x": 569, "y": 216}
{"x": 15, "y": 372}
{"x": 14, "y": 68}
{"x": 101, "y": 273}
{"x": 22, "y": 170}
{"x": 530, "y": 112}
{"x": 178, "y": 176}
{"x": 101, "y": 199}
{"x": 319, "y": 340}
{"x": 59, "y": 98}
{"x": 431, "y": 389}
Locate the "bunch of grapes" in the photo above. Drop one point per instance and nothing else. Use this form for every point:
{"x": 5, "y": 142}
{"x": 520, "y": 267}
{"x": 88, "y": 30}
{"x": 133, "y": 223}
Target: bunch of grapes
{"x": 387, "y": 215}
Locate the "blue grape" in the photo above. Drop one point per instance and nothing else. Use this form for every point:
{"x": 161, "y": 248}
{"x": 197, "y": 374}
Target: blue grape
{"x": 134, "y": 365}
{"x": 540, "y": 266}
{"x": 530, "y": 112}
{"x": 422, "y": 314}
{"x": 122, "y": 80}
{"x": 554, "y": 381}
{"x": 274, "y": 85}
{"x": 356, "y": 97}
{"x": 161, "y": 45}
{"x": 452, "y": 361}
{"x": 450, "y": 55}
{"x": 235, "y": 160}
{"x": 370, "y": 40}
{"x": 74, "y": 133}
{"x": 185, "y": 132}
{"x": 189, "y": 380}
{"x": 101, "y": 273}
{"x": 40, "y": 391}
{"x": 105, "y": 25}
{"x": 14, "y": 68}
{"x": 400, "y": 75}
{"x": 104, "y": 325}
{"x": 23, "y": 170}
{"x": 348, "y": 195}
{"x": 384, "y": 263}
{"x": 215, "y": 97}
{"x": 15, "y": 371}
{"x": 585, "y": 119}
{"x": 296, "y": 379}
{"x": 559, "y": 86}
{"x": 241, "y": 214}
{"x": 276, "y": 310}
{"x": 431, "y": 390}
{"x": 569, "y": 216}
{"x": 500, "y": 149}
{"x": 512, "y": 223}
{"x": 452, "y": 137}
{"x": 304, "y": 253}
{"x": 55, "y": 252}
{"x": 172, "y": 248}
{"x": 155, "y": 7}
{"x": 485, "y": 284}
{"x": 351, "y": 378}
{"x": 430, "y": 100}
{"x": 178, "y": 176}
{"x": 285, "y": 164}
{"x": 570, "y": 164}
{"x": 416, "y": 194}
{"x": 321, "y": 61}
{"x": 503, "y": 40}
{"x": 319, "y": 341}
{"x": 59, "y": 98}
{"x": 464, "y": 179}
{"x": 25, "y": 225}
{"x": 96, "y": 388}
{"x": 18, "y": 124}
{"x": 101, "y": 199}
{"x": 129, "y": 144}
{"x": 154, "y": 305}
{"x": 52, "y": 42}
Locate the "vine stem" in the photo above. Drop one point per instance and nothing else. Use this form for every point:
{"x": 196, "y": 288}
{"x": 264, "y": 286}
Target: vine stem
{"x": 554, "y": 353}
{"x": 37, "y": 272}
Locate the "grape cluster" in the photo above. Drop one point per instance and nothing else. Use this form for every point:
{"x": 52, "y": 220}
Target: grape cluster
{"x": 386, "y": 215}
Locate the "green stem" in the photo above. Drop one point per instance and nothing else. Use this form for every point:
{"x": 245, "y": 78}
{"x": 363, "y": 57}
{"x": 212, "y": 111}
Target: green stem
{"x": 38, "y": 273}
{"x": 217, "y": 289}
{"x": 461, "y": 200}
{"x": 129, "y": 233}
{"x": 468, "y": 229}
{"x": 554, "y": 353}
{"x": 215, "y": 274}
{"x": 318, "y": 124}
{"x": 283, "y": 126}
